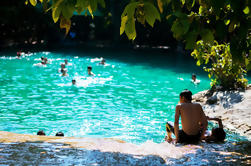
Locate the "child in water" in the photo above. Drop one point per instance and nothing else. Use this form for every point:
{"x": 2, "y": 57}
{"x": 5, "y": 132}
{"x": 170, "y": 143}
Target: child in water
{"x": 89, "y": 70}
{"x": 194, "y": 79}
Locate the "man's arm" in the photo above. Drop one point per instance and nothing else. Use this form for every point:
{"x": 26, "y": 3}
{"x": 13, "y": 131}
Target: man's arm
{"x": 218, "y": 120}
{"x": 176, "y": 122}
{"x": 204, "y": 123}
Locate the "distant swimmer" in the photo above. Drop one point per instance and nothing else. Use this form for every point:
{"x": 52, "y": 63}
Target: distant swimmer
{"x": 40, "y": 132}
{"x": 42, "y": 64}
{"x": 66, "y": 62}
{"x": 73, "y": 82}
{"x": 19, "y": 54}
{"x": 102, "y": 62}
{"x": 60, "y": 134}
{"x": 97, "y": 59}
{"x": 45, "y": 61}
{"x": 64, "y": 73}
{"x": 89, "y": 70}
{"x": 62, "y": 68}
{"x": 194, "y": 79}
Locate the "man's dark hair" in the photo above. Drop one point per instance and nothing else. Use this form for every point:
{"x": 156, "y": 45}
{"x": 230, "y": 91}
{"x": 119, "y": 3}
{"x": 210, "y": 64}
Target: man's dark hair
{"x": 187, "y": 94}
{"x": 61, "y": 134}
{"x": 219, "y": 134}
{"x": 89, "y": 67}
{"x": 40, "y": 132}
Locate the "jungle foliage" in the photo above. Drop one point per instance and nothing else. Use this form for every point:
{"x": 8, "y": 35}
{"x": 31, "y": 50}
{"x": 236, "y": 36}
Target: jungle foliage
{"x": 218, "y": 31}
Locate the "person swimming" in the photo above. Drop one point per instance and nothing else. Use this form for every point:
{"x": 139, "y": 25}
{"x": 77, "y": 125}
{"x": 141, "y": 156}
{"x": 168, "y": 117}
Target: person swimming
{"x": 102, "y": 62}
{"x": 60, "y": 134}
{"x": 194, "y": 79}
{"x": 62, "y": 68}
{"x": 73, "y": 82}
{"x": 19, "y": 54}
{"x": 67, "y": 63}
{"x": 89, "y": 70}
{"x": 64, "y": 73}
{"x": 40, "y": 132}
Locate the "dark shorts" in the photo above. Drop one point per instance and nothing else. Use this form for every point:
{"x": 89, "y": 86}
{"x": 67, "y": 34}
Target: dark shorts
{"x": 183, "y": 137}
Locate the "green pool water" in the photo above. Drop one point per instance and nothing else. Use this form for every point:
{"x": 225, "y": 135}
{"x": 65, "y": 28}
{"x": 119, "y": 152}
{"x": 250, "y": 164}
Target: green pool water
{"x": 131, "y": 98}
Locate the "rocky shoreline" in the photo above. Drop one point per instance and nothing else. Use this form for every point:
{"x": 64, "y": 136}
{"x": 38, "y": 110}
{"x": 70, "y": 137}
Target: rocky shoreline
{"x": 233, "y": 107}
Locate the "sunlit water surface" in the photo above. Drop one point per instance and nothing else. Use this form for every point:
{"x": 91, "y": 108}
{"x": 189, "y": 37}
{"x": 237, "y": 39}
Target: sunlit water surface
{"x": 131, "y": 98}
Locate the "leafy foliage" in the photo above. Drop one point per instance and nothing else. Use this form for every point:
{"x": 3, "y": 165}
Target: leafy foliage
{"x": 142, "y": 12}
{"x": 217, "y": 61}
{"x": 193, "y": 22}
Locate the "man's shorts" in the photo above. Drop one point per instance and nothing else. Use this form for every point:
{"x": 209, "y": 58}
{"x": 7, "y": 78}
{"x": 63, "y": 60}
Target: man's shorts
{"x": 183, "y": 137}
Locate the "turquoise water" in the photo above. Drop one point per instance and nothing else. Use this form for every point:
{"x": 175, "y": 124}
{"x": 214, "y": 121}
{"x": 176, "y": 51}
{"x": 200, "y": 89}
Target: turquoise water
{"x": 130, "y": 99}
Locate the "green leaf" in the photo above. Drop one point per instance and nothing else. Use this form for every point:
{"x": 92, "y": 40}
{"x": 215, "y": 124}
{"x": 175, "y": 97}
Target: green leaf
{"x": 226, "y": 22}
{"x": 232, "y": 26}
{"x": 191, "y": 38}
{"x": 180, "y": 27}
{"x": 207, "y": 36}
{"x": 93, "y": 4}
{"x": 190, "y": 4}
{"x": 160, "y": 5}
{"x": 56, "y": 13}
{"x": 90, "y": 11}
{"x": 246, "y": 10}
{"x": 33, "y": 2}
{"x": 167, "y": 17}
{"x": 130, "y": 9}
{"x": 67, "y": 11}
{"x": 151, "y": 13}
{"x": 123, "y": 23}
{"x": 130, "y": 29}
{"x": 183, "y": 2}
{"x": 66, "y": 24}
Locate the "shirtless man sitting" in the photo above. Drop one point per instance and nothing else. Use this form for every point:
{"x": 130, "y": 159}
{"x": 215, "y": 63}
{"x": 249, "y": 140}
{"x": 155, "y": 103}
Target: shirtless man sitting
{"x": 193, "y": 120}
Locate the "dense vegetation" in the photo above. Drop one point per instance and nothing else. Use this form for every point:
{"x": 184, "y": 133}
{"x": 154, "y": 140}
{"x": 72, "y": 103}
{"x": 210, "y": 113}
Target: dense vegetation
{"x": 218, "y": 32}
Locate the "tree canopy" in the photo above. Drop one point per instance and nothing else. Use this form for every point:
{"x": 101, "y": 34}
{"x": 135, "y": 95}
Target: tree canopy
{"x": 218, "y": 31}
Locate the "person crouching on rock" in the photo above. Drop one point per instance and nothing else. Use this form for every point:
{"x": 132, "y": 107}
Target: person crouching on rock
{"x": 217, "y": 134}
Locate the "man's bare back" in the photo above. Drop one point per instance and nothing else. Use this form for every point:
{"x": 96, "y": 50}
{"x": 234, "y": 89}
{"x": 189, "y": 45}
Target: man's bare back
{"x": 192, "y": 116}
{"x": 193, "y": 120}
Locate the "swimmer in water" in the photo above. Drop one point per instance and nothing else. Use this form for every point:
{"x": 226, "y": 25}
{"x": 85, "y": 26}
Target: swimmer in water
{"x": 102, "y": 62}
{"x": 89, "y": 70}
{"x": 64, "y": 73}
{"x": 62, "y": 68}
{"x": 67, "y": 63}
{"x": 18, "y": 54}
{"x": 60, "y": 134}
{"x": 40, "y": 132}
{"x": 73, "y": 82}
{"x": 45, "y": 61}
{"x": 194, "y": 79}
